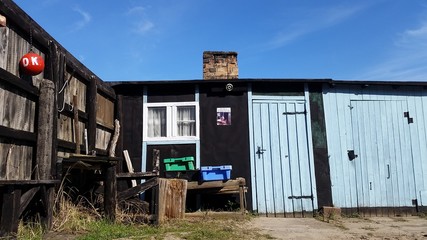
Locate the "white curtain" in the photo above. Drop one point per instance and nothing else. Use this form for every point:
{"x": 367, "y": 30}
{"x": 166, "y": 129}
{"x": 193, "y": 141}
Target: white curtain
{"x": 186, "y": 121}
{"x": 156, "y": 122}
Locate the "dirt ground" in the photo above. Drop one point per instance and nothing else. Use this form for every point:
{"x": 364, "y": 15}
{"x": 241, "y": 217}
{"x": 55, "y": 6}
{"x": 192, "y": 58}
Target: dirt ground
{"x": 388, "y": 228}
{"x": 344, "y": 228}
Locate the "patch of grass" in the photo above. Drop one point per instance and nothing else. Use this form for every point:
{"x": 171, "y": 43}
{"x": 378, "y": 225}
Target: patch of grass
{"x": 105, "y": 230}
{"x": 207, "y": 226}
{"x": 423, "y": 215}
{"x": 30, "y": 231}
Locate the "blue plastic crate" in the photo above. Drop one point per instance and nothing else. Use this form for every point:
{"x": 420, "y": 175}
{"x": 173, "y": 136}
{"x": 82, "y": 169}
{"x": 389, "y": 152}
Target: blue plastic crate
{"x": 215, "y": 173}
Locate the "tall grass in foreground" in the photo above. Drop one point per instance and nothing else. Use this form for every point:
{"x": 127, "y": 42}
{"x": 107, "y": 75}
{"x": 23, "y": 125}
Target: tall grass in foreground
{"x": 82, "y": 220}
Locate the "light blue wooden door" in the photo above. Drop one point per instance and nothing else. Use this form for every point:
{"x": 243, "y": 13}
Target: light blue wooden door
{"x": 283, "y": 183}
{"x": 383, "y": 166}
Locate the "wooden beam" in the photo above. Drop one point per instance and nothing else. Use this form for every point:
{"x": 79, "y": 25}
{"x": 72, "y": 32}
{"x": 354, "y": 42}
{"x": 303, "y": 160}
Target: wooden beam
{"x": 67, "y": 112}
{"x": 67, "y": 145}
{"x": 118, "y": 115}
{"x": 216, "y": 184}
{"x": 128, "y": 193}
{"x": 136, "y": 175}
{"x": 105, "y": 90}
{"x": 104, "y": 127}
{"x": 129, "y": 165}
{"x": 76, "y": 123}
{"x": 28, "y": 182}
{"x": 26, "y": 198}
{"x": 10, "y": 133}
{"x": 16, "y": 83}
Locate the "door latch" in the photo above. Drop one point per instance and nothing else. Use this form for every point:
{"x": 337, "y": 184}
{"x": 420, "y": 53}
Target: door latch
{"x": 260, "y": 151}
{"x": 406, "y": 115}
{"x": 351, "y": 155}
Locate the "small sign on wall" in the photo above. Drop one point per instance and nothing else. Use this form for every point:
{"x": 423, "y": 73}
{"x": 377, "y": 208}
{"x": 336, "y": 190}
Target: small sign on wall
{"x": 223, "y": 116}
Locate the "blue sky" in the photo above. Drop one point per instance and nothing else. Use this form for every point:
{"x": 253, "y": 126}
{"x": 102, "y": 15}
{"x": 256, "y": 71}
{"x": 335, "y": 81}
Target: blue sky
{"x": 164, "y": 39}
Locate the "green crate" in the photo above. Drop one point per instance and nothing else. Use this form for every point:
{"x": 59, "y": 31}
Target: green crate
{"x": 179, "y": 164}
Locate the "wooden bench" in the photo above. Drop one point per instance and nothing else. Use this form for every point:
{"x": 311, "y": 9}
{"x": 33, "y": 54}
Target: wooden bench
{"x": 107, "y": 165}
{"x": 16, "y": 195}
{"x": 233, "y": 186}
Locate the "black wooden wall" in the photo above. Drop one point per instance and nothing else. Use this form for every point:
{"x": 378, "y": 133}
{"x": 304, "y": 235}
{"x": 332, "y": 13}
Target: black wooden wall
{"x": 225, "y": 145}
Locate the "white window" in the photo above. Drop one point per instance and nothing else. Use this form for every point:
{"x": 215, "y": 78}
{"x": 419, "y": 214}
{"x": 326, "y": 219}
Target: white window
{"x": 171, "y": 121}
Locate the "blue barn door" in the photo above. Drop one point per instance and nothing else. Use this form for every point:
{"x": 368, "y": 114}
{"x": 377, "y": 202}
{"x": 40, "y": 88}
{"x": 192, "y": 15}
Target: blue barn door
{"x": 382, "y": 156}
{"x": 283, "y": 181}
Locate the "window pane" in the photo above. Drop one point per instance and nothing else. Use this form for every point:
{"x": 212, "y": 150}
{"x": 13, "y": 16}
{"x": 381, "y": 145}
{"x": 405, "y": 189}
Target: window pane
{"x": 186, "y": 121}
{"x": 156, "y": 122}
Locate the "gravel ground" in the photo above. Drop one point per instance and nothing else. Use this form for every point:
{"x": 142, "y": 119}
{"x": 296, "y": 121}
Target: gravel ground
{"x": 344, "y": 228}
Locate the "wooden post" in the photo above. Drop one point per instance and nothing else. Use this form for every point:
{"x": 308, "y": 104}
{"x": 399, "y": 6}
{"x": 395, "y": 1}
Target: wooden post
{"x": 172, "y": 196}
{"x": 10, "y": 211}
{"x": 129, "y": 165}
{"x": 45, "y": 150}
{"x": 48, "y": 196}
{"x": 76, "y": 123}
{"x": 110, "y": 192}
{"x": 242, "y": 199}
{"x": 156, "y": 160}
{"x": 56, "y": 74}
{"x": 91, "y": 105}
{"x": 45, "y": 130}
{"x": 113, "y": 142}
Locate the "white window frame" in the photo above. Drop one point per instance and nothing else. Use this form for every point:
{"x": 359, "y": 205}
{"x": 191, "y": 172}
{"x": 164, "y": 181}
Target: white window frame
{"x": 171, "y": 120}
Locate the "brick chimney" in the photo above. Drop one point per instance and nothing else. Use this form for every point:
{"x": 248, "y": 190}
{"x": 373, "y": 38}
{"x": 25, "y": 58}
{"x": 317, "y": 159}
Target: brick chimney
{"x": 220, "y": 65}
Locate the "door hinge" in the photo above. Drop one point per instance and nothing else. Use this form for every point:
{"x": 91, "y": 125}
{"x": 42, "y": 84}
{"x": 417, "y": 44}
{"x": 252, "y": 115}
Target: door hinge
{"x": 301, "y": 197}
{"x": 294, "y": 113}
{"x": 410, "y": 120}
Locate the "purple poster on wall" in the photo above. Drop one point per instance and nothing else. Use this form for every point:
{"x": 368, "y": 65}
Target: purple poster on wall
{"x": 223, "y": 116}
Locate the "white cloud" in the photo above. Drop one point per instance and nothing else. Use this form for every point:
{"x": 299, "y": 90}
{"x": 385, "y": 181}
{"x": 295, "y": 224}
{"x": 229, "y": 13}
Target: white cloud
{"x": 85, "y": 19}
{"x": 136, "y": 10}
{"x": 420, "y": 32}
{"x": 141, "y": 24}
{"x": 320, "y": 19}
{"x": 407, "y": 60}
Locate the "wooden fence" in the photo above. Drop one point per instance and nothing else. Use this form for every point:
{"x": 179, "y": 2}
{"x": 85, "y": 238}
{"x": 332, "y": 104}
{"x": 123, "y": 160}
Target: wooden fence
{"x": 79, "y": 93}
{"x": 82, "y": 119}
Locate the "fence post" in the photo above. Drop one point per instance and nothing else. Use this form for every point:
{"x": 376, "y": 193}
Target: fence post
{"x": 45, "y": 130}
{"x": 46, "y": 118}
